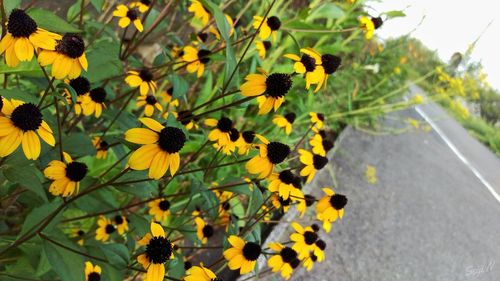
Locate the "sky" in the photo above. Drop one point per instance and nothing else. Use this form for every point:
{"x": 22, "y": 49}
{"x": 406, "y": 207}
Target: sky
{"x": 449, "y": 26}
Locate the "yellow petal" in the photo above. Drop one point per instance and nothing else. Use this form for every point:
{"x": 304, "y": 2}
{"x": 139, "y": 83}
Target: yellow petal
{"x": 141, "y": 136}
{"x": 31, "y": 145}
{"x": 142, "y": 157}
{"x": 159, "y": 165}
{"x": 157, "y": 230}
{"x": 152, "y": 124}
{"x": 10, "y": 142}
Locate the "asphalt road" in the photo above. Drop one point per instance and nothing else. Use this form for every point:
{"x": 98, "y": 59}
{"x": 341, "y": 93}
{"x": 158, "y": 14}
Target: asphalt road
{"x": 428, "y": 217}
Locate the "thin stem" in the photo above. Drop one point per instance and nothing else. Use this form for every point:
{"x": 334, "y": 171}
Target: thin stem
{"x": 59, "y": 130}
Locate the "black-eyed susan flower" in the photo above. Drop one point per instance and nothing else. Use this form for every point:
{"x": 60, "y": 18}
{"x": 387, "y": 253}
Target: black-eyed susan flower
{"x": 200, "y": 273}
{"x": 304, "y": 239}
{"x": 320, "y": 144}
{"x": 285, "y": 184}
{"x": 312, "y": 162}
{"x": 220, "y": 133}
{"x": 330, "y": 64}
{"x": 24, "y": 38}
{"x": 245, "y": 142}
{"x": 79, "y": 234}
{"x": 160, "y": 148}
{"x": 269, "y": 89}
{"x": 268, "y": 26}
{"x": 101, "y": 147}
{"x": 142, "y": 79}
{"x": 66, "y": 176}
{"x": 330, "y": 208}
{"x": 230, "y": 146}
{"x": 215, "y": 31}
{"x": 167, "y": 97}
{"x": 199, "y": 11}
{"x": 94, "y": 102}
{"x": 368, "y": 25}
{"x": 92, "y": 272}
{"x": 270, "y": 154}
{"x": 285, "y": 260}
{"x": 149, "y": 102}
{"x": 104, "y": 230}
{"x": 281, "y": 204}
{"x": 128, "y": 15}
{"x": 81, "y": 85}
{"x": 203, "y": 230}
{"x": 196, "y": 59}
{"x": 188, "y": 120}
{"x": 309, "y": 64}
{"x": 318, "y": 119}
{"x": 262, "y": 47}
{"x": 121, "y": 224}
{"x": 158, "y": 251}
{"x": 242, "y": 255}
{"x": 23, "y": 123}
{"x": 319, "y": 250}
{"x": 142, "y": 5}
{"x": 160, "y": 209}
{"x": 68, "y": 58}
{"x": 285, "y": 121}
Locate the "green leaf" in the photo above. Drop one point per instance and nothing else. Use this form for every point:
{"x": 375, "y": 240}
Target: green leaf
{"x": 180, "y": 86}
{"x": 67, "y": 264}
{"x": 103, "y": 61}
{"x": 10, "y": 5}
{"x": 70, "y": 89}
{"x": 26, "y": 68}
{"x": 78, "y": 144}
{"x": 326, "y": 11}
{"x": 48, "y": 20}
{"x": 29, "y": 177}
{"x": 116, "y": 254}
{"x": 394, "y": 14}
{"x": 98, "y": 4}
{"x": 37, "y": 215}
{"x": 18, "y": 95}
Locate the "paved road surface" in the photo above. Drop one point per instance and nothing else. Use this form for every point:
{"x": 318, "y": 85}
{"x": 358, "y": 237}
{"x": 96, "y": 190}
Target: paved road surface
{"x": 427, "y": 218}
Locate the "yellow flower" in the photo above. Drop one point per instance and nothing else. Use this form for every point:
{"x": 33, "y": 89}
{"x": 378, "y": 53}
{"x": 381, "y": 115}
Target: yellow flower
{"x": 285, "y": 260}
{"x": 68, "y": 58}
{"x": 221, "y": 133}
{"x": 149, "y": 103}
{"x": 105, "y": 229}
{"x": 128, "y": 15}
{"x": 310, "y": 65}
{"x": 418, "y": 99}
{"x": 101, "y": 147}
{"x": 93, "y": 103}
{"x": 203, "y": 231}
{"x": 195, "y": 59}
{"x": 23, "y": 38}
{"x": 330, "y": 208}
{"x": 167, "y": 98}
{"x": 304, "y": 239}
{"x": 369, "y": 25}
{"x": 229, "y": 147}
{"x": 286, "y": 184}
{"x": 160, "y": 209}
{"x": 330, "y": 64}
{"x": 262, "y": 47}
{"x": 160, "y": 148}
{"x": 285, "y": 122}
{"x": 187, "y": 119}
{"x": 158, "y": 251}
{"x": 242, "y": 255}
{"x": 320, "y": 145}
{"x": 79, "y": 233}
{"x": 121, "y": 224}
{"x": 318, "y": 119}
{"x": 269, "y": 26}
{"x": 199, "y": 11}
{"x": 317, "y": 255}
{"x": 269, "y": 89}
{"x": 312, "y": 162}
{"x": 23, "y": 124}
{"x": 397, "y": 70}
{"x": 245, "y": 142}
{"x": 142, "y": 5}
{"x": 270, "y": 154}
{"x": 66, "y": 176}
{"x": 371, "y": 174}
{"x": 81, "y": 85}
{"x": 142, "y": 79}
{"x": 92, "y": 272}
{"x": 280, "y": 203}
{"x": 200, "y": 273}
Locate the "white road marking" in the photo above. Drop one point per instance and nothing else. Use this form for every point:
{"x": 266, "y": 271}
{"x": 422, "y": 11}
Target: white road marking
{"x": 458, "y": 153}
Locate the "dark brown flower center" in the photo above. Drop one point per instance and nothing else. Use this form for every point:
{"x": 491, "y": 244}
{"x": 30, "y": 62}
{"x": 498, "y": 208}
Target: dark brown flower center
{"x": 248, "y": 136}
{"x": 288, "y": 254}
{"x": 286, "y": 176}
{"x": 207, "y": 231}
{"x": 327, "y": 145}
{"x": 308, "y": 62}
{"x": 119, "y": 220}
{"x": 315, "y": 227}
{"x": 1, "y": 103}
{"x": 98, "y": 95}
{"x": 27, "y": 117}
{"x": 309, "y": 200}
{"x": 274, "y": 23}
{"x": 251, "y": 251}
{"x": 171, "y": 139}
{"x": 234, "y": 135}
{"x": 319, "y": 161}
{"x": 20, "y": 24}
{"x": 159, "y": 250}
{"x": 321, "y": 244}
{"x": 267, "y": 44}
{"x": 290, "y": 117}
{"x": 71, "y": 45}
{"x": 225, "y": 125}
{"x": 146, "y": 75}
{"x": 109, "y": 229}
{"x": 103, "y": 145}
{"x": 164, "y": 205}
{"x": 277, "y": 152}
{"x": 80, "y": 232}
{"x": 203, "y": 36}
{"x": 76, "y": 171}
{"x": 278, "y": 84}
{"x": 338, "y": 201}
{"x": 133, "y": 14}
{"x": 94, "y": 276}
{"x": 151, "y": 100}
{"x": 203, "y": 56}
{"x": 80, "y": 84}
{"x": 330, "y": 63}
{"x": 377, "y": 22}
{"x": 310, "y": 237}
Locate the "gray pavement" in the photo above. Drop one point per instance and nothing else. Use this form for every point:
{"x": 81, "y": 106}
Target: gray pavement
{"x": 427, "y": 218}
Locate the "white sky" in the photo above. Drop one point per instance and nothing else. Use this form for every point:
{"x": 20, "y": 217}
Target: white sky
{"x": 449, "y": 26}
